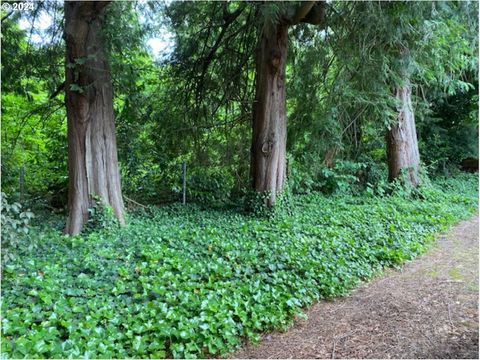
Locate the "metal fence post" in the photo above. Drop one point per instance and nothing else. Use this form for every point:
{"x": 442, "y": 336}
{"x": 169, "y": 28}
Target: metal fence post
{"x": 184, "y": 182}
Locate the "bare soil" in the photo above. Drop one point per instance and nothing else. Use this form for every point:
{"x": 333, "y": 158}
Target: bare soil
{"x": 427, "y": 309}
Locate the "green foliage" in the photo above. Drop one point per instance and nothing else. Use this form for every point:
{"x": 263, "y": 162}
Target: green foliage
{"x": 255, "y": 203}
{"x": 33, "y": 127}
{"x": 33, "y": 137}
{"x": 209, "y": 186}
{"x": 341, "y": 79}
{"x": 344, "y": 176}
{"x": 449, "y": 132}
{"x": 15, "y": 226}
{"x": 258, "y": 204}
{"x": 13, "y": 38}
{"x": 100, "y": 216}
{"x": 183, "y": 282}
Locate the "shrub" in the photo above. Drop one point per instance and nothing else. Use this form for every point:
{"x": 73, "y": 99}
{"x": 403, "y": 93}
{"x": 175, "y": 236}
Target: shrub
{"x": 209, "y": 186}
{"x": 15, "y": 225}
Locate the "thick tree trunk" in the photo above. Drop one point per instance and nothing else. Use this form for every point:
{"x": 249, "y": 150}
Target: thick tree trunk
{"x": 268, "y": 158}
{"x": 92, "y": 149}
{"x": 402, "y": 145}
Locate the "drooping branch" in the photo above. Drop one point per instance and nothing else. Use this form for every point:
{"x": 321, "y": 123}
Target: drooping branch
{"x": 229, "y": 18}
{"x": 222, "y": 50}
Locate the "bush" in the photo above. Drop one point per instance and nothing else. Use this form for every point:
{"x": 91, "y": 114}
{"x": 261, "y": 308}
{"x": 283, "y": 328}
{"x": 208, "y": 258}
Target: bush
{"x": 15, "y": 225}
{"x": 344, "y": 177}
{"x": 183, "y": 282}
{"x": 209, "y": 186}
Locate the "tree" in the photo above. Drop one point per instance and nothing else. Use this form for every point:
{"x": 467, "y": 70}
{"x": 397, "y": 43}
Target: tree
{"x": 401, "y": 139}
{"x": 269, "y": 137}
{"x": 388, "y": 59}
{"x": 220, "y": 42}
{"x": 380, "y": 55}
{"x": 92, "y": 150}
{"x": 403, "y": 156}
{"x": 434, "y": 48}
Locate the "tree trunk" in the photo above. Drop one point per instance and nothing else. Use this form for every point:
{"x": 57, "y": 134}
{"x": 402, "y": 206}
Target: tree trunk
{"x": 92, "y": 149}
{"x": 402, "y": 145}
{"x": 268, "y": 158}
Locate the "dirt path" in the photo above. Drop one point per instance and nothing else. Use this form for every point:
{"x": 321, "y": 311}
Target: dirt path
{"x": 428, "y": 309}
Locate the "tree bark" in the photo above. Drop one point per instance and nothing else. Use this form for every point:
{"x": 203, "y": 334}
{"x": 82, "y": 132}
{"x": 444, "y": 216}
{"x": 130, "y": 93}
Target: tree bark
{"x": 402, "y": 145}
{"x": 268, "y": 160}
{"x": 269, "y": 138}
{"x": 92, "y": 149}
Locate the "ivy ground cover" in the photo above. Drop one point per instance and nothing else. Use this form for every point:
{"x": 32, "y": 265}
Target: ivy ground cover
{"x": 182, "y": 281}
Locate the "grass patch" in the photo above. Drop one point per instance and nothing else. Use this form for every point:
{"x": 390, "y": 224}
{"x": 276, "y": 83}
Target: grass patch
{"x": 455, "y": 274}
{"x": 184, "y": 282}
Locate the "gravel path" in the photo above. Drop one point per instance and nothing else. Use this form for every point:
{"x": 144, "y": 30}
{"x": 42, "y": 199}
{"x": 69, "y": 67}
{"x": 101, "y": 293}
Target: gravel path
{"x": 427, "y": 309}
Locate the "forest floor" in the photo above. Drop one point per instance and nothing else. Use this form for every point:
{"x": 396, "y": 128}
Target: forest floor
{"x": 426, "y": 309}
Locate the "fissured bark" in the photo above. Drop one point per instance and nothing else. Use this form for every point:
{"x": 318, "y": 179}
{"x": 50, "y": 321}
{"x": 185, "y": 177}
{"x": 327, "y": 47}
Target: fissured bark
{"x": 269, "y": 138}
{"x": 402, "y": 146}
{"x": 268, "y": 160}
{"x": 92, "y": 149}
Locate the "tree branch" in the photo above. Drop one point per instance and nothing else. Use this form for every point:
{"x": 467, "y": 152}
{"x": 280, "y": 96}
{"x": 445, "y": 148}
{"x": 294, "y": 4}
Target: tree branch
{"x": 316, "y": 15}
{"x": 301, "y": 12}
{"x": 56, "y": 92}
{"x": 229, "y": 18}
{"x": 7, "y": 16}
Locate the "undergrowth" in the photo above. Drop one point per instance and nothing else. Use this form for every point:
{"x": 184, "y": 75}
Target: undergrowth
{"x": 184, "y": 282}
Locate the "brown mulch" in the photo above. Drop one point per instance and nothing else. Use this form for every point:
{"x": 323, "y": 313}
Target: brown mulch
{"x": 427, "y": 309}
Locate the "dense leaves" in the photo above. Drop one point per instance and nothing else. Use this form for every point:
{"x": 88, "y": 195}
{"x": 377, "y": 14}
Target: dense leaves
{"x": 15, "y": 222}
{"x": 185, "y": 282}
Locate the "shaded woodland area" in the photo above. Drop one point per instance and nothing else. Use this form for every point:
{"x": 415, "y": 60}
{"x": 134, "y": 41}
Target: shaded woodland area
{"x": 322, "y": 142}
